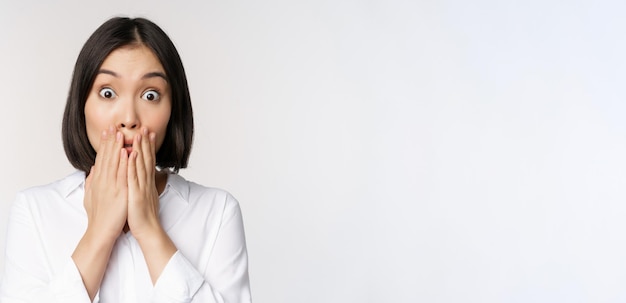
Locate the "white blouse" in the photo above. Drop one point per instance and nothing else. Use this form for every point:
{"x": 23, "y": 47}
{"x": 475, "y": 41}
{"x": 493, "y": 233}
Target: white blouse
{"x": 47, "y": 222}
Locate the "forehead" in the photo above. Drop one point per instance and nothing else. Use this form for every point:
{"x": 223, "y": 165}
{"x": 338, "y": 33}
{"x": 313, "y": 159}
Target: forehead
{"x": 132, "y": 60}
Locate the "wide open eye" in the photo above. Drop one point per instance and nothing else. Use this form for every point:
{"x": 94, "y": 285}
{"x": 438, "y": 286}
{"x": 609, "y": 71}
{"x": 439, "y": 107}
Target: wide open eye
{"x": 107, "y": 93}
{"x": 151, "y": 95}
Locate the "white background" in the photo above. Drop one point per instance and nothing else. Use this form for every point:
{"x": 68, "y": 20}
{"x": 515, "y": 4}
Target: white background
{"x": 382, "y": 151}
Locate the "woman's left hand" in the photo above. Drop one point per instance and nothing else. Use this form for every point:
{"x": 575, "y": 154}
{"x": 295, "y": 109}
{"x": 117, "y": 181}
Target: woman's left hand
{"x": 143, "y": 198}
{"x": 143, "y": 205}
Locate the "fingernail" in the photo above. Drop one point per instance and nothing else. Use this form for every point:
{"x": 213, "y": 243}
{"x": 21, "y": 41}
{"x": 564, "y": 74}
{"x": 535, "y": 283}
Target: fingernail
{"x": 145, "y": 131}
{"x": 152, "y": 136}
{"x": 118, "y": 136}
{"x": 104, "y": 134}
{"x": 111, "y": 130}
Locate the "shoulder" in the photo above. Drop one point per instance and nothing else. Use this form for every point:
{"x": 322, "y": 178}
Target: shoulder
{"x": 195, "y": 193}
{"x": 185, "y": 203}
{"x": 58, "y": 189}
{"x": 48, "y": 197}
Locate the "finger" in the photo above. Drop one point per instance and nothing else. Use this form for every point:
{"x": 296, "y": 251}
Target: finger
{"x": 132, "y": 170}
{"x": 153, "y": 147}
{"x": 89, "y": 178}
{"x": 114, "y": 144}
{"x": 139, "y": 165}
{"x": 147, "y": 154}
{"x": 100, "y": 155}
{"x": 105, "y": 152}
{"x": 122, "y": 170}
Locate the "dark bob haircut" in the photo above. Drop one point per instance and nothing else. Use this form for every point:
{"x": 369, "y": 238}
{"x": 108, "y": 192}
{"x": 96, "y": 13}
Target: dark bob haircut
{"x": 113, "y": 34}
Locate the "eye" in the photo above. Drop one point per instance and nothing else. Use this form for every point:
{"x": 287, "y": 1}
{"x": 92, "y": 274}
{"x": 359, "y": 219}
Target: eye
{"x": 107, "y": 93}
{"x": 151, "y": 95}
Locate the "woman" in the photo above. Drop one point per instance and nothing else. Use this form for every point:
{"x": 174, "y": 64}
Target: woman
{"x": 126, "y": 227}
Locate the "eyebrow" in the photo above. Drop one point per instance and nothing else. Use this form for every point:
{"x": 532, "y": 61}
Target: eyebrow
{"x": 155, "y": 74}
{"x": 146, "y": 76}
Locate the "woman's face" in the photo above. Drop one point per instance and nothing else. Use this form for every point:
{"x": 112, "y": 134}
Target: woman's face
{"x": 130, "y": 92}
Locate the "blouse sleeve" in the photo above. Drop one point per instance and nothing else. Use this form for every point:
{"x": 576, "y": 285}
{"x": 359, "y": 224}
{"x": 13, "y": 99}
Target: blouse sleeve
{"x": 226, "y": 277}
{"x": 28, "y": 276}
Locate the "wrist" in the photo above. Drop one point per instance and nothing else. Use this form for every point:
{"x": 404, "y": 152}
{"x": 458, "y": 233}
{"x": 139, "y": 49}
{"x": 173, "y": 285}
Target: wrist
{"x": 147, "y": 230}
{"x": 158, "y": 249}
{"x": 155, "y": 240}
{"x": 101, "y": 236}
{"x": 150, "y": 235}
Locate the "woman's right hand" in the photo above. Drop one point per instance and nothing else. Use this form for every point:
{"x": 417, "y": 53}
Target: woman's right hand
{"x": 106, "y": 187}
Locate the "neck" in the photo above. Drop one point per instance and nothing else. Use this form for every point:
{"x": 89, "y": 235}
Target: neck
{"x": 160, "y": 180}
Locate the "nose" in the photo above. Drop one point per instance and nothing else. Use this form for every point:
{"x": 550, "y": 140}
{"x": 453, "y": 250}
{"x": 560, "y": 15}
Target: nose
{"x": 127, "y": 116}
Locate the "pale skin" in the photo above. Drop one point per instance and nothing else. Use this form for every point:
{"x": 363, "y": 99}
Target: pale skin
{"x": 126, "y": 115}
